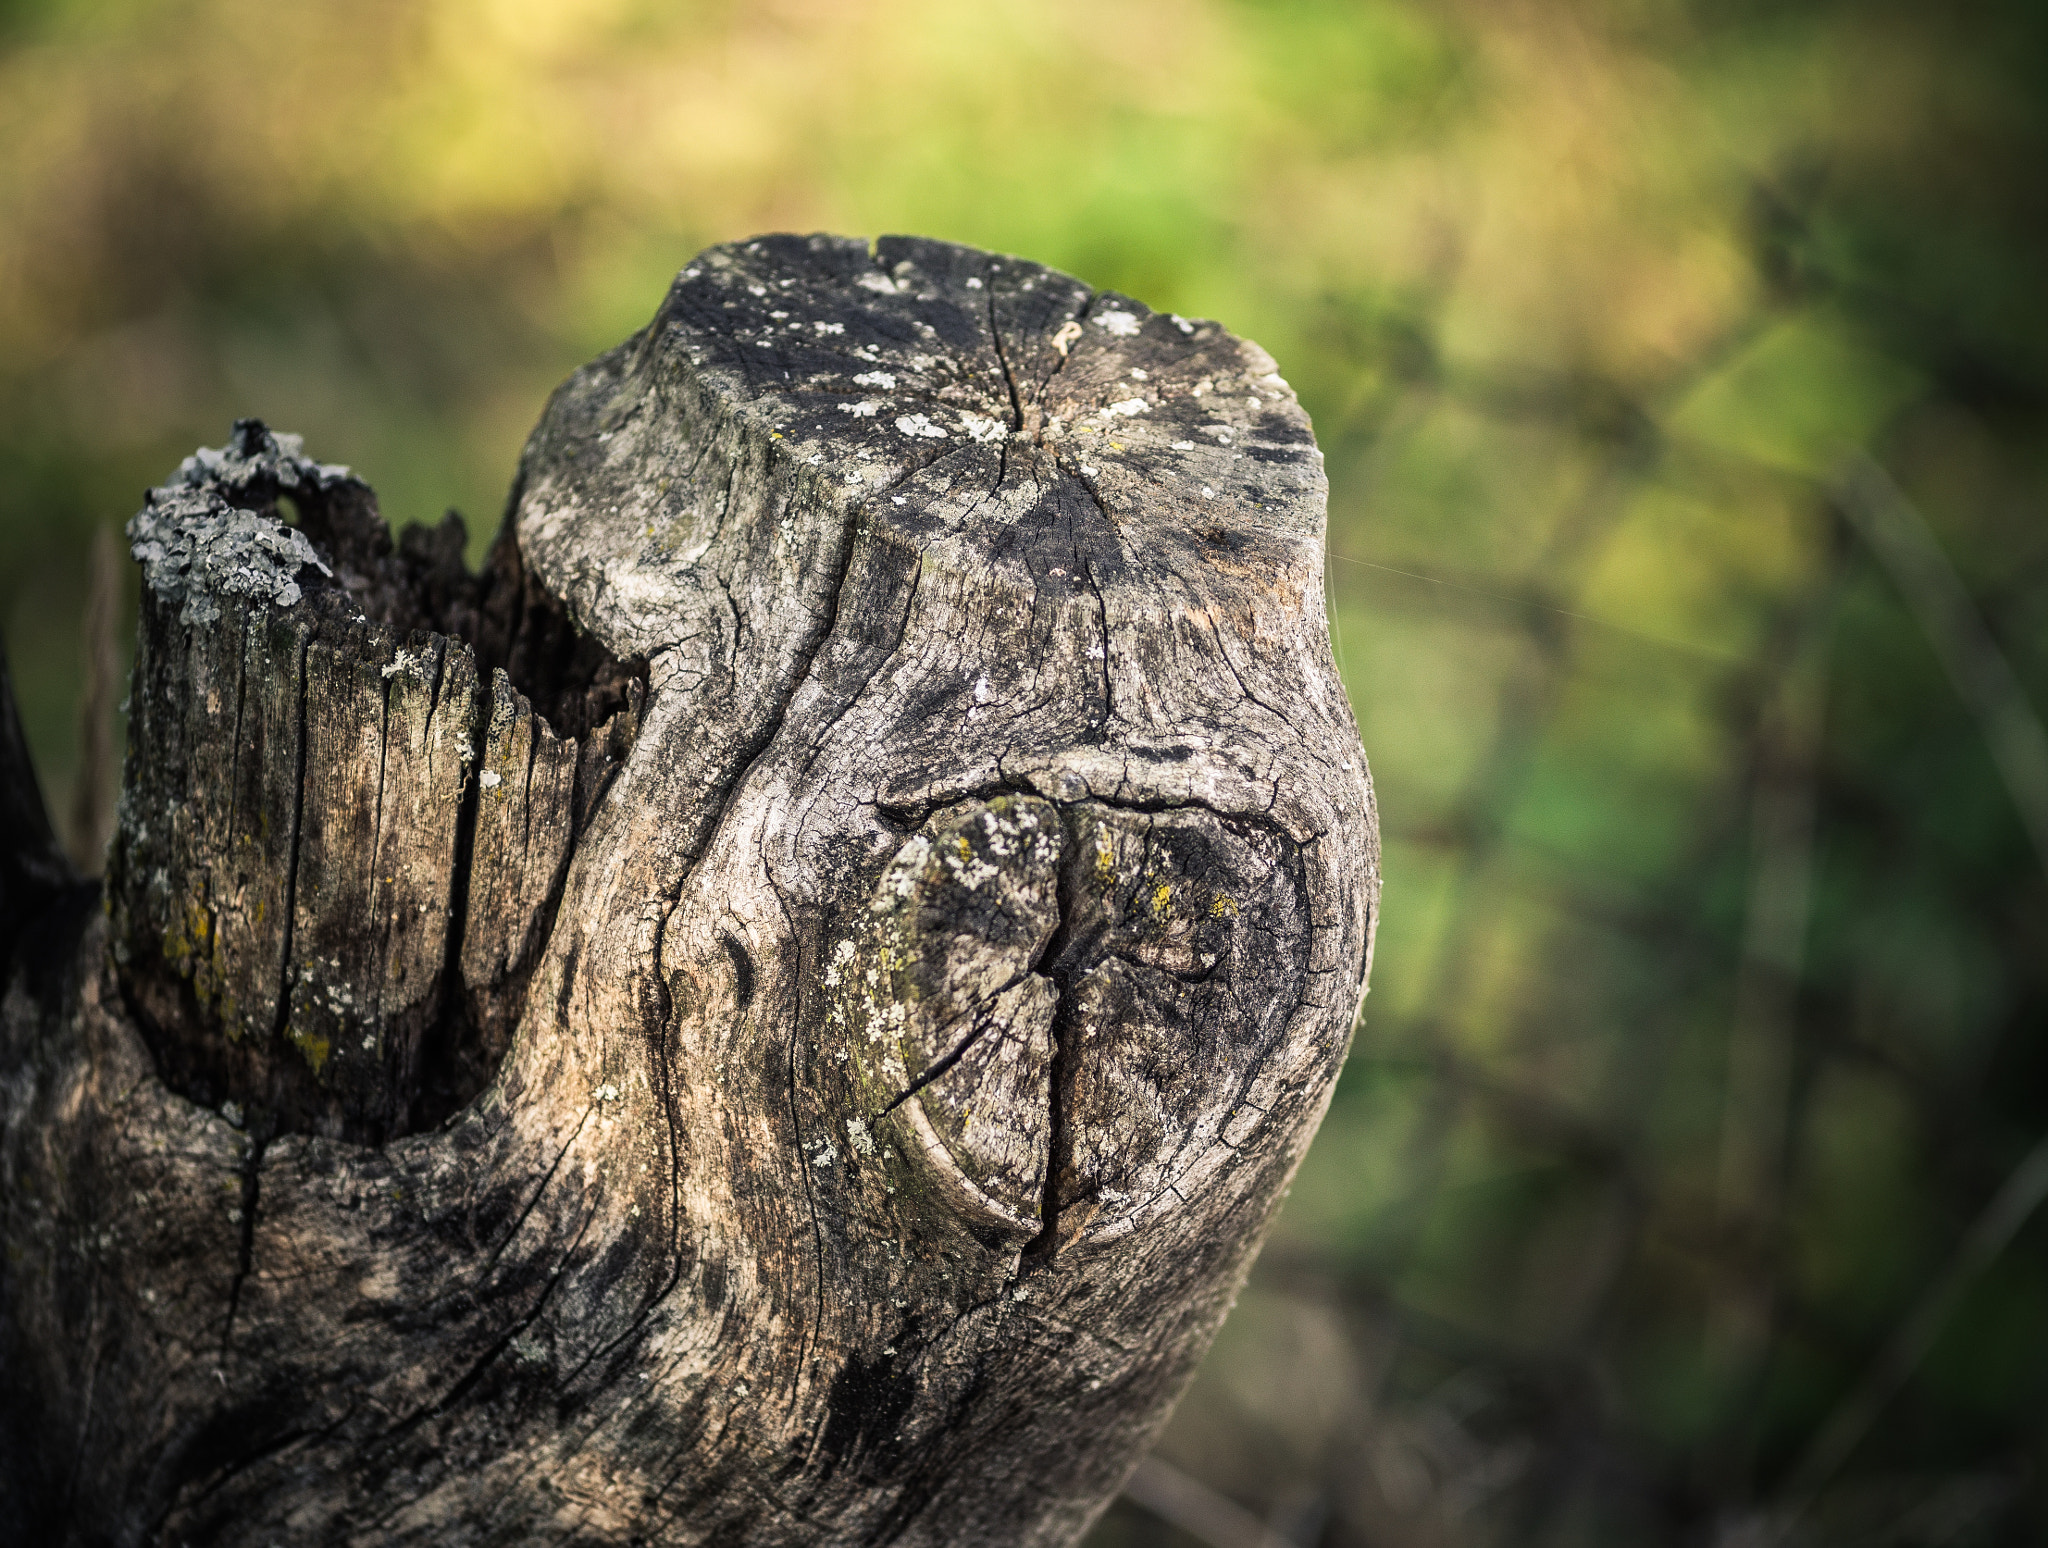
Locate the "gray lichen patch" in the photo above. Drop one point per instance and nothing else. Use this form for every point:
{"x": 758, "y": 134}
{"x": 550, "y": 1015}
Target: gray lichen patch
{"x": 195, "y": 548}
{"x": 257, "y": 462}
{"x": 212, "y": 530}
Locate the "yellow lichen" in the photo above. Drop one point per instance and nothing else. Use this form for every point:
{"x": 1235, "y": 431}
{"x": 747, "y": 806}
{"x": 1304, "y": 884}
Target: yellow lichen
{"x": 1225, "y": 907}
{"x": 192, "y": 940}
{"x": 1162, "y": 901}
{"x": 315, "y": 1048}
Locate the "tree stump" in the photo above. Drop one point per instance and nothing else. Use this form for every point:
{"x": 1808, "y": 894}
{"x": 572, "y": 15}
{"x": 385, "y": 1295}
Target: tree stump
{"x": 779, "y": 1012}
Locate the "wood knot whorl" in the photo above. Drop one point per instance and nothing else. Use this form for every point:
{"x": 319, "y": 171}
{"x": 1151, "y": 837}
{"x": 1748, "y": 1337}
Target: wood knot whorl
{"x": 1056, "y": 1015}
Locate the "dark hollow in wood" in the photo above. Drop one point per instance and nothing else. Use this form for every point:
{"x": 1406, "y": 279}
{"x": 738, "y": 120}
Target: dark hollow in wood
{"x": 778, "y": 1012}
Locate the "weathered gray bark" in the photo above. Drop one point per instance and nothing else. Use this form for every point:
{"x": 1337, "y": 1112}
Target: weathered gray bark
{"x": 779, "y": 1013}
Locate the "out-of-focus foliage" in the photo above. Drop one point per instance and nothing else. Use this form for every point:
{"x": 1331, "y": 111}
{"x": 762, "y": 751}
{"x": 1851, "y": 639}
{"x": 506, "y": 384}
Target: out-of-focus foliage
{"x": 1708, "y": 1018}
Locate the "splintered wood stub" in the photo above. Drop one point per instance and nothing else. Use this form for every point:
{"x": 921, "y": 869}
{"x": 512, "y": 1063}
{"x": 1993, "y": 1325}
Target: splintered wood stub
{"x": 337, "y": 847}
{"x": 779, "y": 1011}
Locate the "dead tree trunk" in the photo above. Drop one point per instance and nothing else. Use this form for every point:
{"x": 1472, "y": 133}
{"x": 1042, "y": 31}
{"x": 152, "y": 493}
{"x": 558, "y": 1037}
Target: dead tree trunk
{"x": 777, "y": 1013}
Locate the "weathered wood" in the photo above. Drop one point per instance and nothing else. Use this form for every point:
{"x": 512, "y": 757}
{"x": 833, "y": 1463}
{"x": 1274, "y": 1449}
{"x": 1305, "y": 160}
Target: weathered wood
{"x": 324, "y": 905}
{"x": 777, "y": 1013}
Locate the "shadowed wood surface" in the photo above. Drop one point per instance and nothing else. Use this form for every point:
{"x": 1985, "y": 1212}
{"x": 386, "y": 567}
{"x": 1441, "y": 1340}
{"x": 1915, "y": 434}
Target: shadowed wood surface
{"x": 778, "y": 1012}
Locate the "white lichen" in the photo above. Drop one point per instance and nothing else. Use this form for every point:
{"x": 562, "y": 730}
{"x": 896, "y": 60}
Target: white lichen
{"x": 195, "y": 548}
{"x": 1121, "y": 324}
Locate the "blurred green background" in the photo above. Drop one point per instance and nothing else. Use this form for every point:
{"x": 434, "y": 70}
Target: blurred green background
{"x": 1683, "y": 370}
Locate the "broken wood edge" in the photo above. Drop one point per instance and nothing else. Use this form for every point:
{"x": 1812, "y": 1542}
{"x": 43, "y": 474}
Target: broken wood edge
{"x": 342, "y": 836}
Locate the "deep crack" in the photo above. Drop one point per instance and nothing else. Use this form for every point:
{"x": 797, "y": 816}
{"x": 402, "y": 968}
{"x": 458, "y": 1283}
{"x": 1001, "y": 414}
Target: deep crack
{"x": 1058, "y": 957}
{"x": 245, "y": 1250}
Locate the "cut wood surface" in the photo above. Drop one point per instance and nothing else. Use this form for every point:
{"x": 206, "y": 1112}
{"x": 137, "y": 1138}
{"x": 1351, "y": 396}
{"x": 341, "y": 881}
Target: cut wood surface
{"x": 778, "y": 1012}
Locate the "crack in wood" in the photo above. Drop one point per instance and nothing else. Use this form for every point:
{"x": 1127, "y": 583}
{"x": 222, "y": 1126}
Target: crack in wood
{"x": 245, "y": 1247}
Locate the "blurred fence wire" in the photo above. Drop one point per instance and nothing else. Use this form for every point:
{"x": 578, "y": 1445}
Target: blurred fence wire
{"x": 1941, "y": 605}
